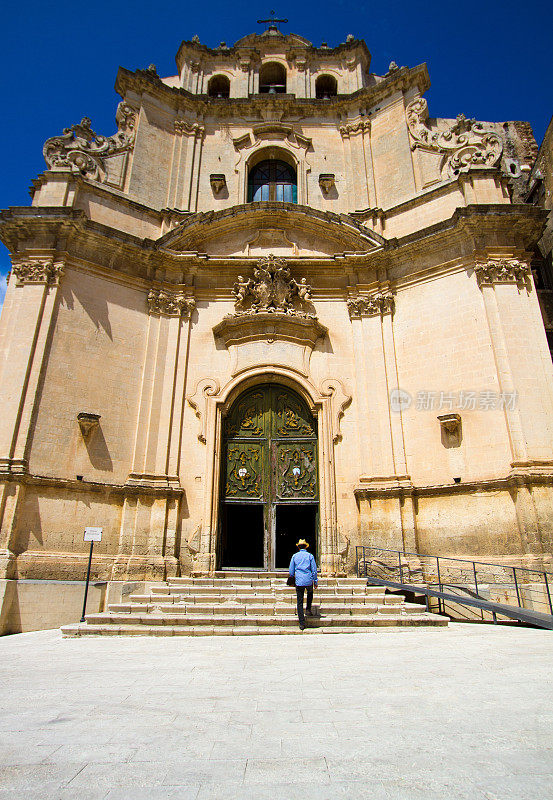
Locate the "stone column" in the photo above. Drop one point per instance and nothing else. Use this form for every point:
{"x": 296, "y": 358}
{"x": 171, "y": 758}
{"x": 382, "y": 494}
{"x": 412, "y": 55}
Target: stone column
{"x": 30, "y": 305}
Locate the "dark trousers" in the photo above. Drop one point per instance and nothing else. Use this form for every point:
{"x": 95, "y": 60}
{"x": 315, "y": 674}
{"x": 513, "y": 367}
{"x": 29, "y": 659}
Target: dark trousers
{"x": 299, "y": 594}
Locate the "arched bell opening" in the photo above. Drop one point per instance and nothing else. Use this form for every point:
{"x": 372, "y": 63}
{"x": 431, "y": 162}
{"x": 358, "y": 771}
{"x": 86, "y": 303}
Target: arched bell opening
{"x": 272, "y": 78}
{"x": 218, "y": 86}
{"x": 269, "y": 479}
{"x": 326, "y": 87}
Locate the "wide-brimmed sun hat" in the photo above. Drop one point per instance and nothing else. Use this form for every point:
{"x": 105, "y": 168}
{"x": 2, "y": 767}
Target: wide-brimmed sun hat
{"x": 302, "y": 541}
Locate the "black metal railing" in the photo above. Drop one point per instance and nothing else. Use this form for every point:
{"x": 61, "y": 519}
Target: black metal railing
{"x": 488, "y": 584}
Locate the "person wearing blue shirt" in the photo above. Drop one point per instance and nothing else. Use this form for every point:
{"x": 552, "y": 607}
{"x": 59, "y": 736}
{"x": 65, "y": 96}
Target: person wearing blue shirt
{"x": 304, "y": 570}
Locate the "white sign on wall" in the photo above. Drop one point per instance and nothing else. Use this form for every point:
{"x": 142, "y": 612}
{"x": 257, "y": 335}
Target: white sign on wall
{"x": 93, "y": 534}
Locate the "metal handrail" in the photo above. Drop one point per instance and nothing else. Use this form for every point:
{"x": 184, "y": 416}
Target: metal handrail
{"x": 520, "y": 575}
{"x": 449, "y": 558}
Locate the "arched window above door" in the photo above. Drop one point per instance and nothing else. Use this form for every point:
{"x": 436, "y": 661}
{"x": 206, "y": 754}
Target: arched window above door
{"x": 273, "y": 180}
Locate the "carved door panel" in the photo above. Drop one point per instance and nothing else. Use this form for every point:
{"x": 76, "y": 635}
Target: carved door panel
{"x": 244, "y": 471}
{"x": 270, "y": 456}
{"x": 296, "y": 470}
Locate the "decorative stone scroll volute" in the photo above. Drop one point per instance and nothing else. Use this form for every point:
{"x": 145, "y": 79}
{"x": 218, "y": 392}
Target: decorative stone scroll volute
{"x": 80, "y": 149}
{"x": 271, "y": 308}
{"x": 465, "y": 144}
{"x": 370, "y": 306}
{"x": 502, "y": 270}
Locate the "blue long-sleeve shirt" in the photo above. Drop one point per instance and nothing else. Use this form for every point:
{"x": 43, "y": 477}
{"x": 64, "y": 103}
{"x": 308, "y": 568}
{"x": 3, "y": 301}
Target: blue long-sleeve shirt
{"x": 303, "y": 568}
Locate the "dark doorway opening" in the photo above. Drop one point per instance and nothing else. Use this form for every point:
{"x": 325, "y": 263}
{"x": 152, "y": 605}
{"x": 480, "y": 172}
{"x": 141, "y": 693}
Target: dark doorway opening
{"x": 243, "y": 536}
{"x": 294, "y": 522}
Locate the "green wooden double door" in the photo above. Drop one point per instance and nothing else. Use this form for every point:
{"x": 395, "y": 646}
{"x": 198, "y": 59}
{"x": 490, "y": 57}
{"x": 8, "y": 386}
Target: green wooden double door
{"x": 270, "y": 486}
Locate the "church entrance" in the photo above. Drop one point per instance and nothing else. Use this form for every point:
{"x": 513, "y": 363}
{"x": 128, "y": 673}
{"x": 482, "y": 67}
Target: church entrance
{"x": 270, "y": 488}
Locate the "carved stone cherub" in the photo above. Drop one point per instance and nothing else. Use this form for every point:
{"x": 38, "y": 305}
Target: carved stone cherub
{"x": 304, "y": 290}
{"x": 241, "y": 289}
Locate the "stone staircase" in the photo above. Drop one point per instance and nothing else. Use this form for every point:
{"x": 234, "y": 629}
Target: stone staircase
{"x": 245, "y": 603}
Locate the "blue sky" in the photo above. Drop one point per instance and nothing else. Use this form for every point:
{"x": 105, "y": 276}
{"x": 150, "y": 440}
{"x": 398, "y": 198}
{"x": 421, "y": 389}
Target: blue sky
{"x": 58, "y": 61}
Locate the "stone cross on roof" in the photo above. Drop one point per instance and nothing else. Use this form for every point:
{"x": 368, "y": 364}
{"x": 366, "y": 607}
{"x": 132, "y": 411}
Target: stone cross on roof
{"x": 271, "y": 22}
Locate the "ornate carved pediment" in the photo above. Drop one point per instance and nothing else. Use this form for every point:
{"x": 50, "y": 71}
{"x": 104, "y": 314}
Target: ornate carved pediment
{"x": 233, "y": 230}
{"x": 272, "y": 130}
{"x": 370, "y": 306}
{"x": 464, "y": 144}
{"x": 82, "y": 150}
{"x": 502, "y": 270}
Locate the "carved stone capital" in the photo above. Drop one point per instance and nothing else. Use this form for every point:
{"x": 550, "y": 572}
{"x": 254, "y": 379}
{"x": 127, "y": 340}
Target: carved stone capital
{"x": 502, "y": 270}
{"x": 37, "y": 272}
{"x": 170, "y": 304}
{"x": 364, "y": 125}
{"x": 185, "y": 128}
{"x": 465, "y": 144}
{"x": 380, "y": 303}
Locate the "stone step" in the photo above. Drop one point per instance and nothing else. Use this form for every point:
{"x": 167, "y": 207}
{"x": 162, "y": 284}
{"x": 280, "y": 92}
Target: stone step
{"x": 237, "y": 619}
{"x": 247, "y": 604}
{"x": 259, "y": 581}
{"x": 275, "y": 611}
{"x": 369, "y": 625}
{"x": 253, "y": 590}
{"x": 290, "y": 599}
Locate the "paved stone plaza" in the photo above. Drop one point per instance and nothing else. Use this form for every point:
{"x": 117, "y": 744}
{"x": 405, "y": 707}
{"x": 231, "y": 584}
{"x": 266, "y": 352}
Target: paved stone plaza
{"x": 462, "y": 712}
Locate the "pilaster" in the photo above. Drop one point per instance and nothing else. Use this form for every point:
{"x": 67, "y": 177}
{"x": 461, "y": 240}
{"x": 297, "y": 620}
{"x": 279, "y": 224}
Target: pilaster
{"x": 149, "y": 522}
{"x": 32, "y": 304}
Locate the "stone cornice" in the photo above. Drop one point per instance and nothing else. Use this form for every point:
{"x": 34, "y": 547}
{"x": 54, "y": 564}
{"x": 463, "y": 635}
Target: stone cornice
{"x": 145, "y": 82}
{"x": 126, "y": 489}
{"x": 68, "y": 233}
{"x": 519, "y": 477}
{"x": 521, "y": 221}
{"x": 265, "y": 326}
{"x": 255, "y": 43}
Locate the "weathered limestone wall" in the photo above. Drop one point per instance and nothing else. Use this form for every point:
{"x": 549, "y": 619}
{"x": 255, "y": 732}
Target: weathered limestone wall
{"x": 43, "y": 605}
{"x": 95, "y": 364}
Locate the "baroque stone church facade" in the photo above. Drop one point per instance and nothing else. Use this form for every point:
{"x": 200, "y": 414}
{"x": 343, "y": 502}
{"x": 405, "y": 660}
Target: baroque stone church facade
{"x": 281, "y": 300}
